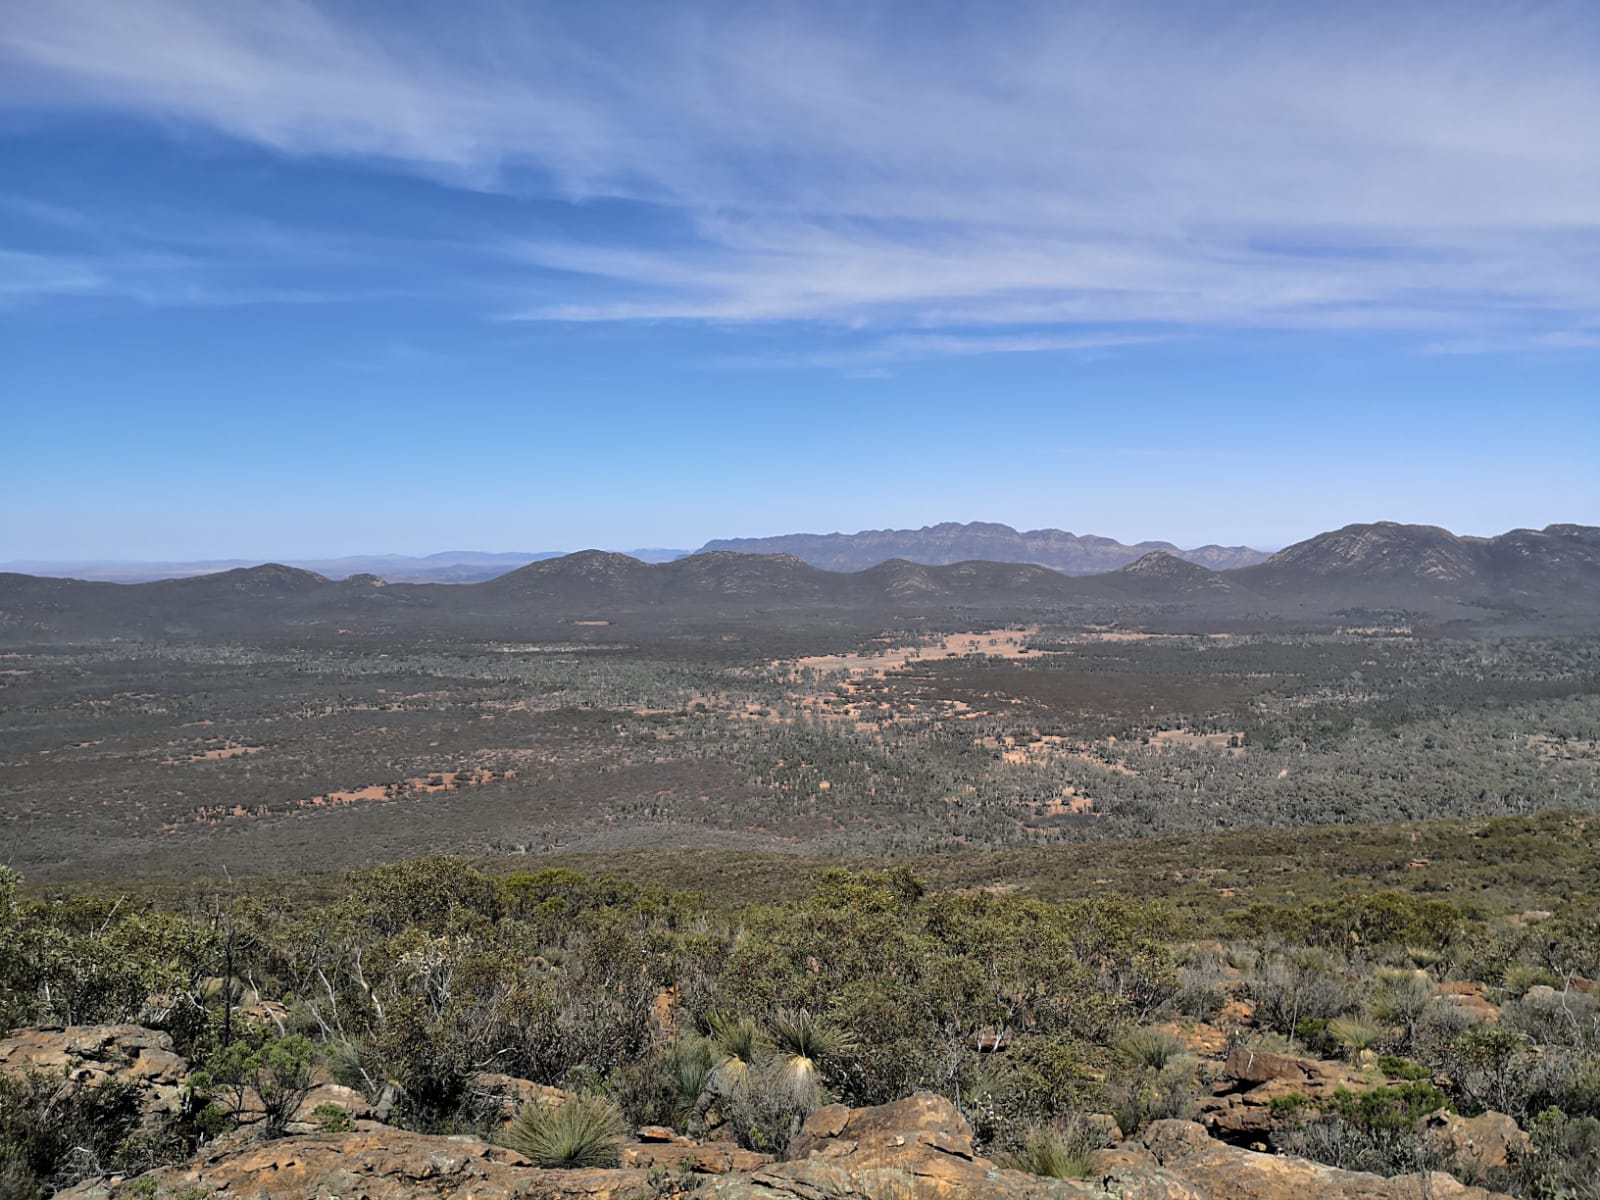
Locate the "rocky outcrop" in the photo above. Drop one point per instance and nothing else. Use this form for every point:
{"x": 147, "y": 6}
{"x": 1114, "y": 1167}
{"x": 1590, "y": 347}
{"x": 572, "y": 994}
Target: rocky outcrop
{"x": 1253, "y": 1079}
{"x": 91, "y": 1055}
{"x": 660, "y": 1148}
{"x": 375, "y": 1164}
{"x": 1221, "y": 1172}
{"x": 921, "y": 1148}
{"x": 1477, "y": 1143}
{"x": 1467, "y": 997}
{"x": 918, "y": 1148}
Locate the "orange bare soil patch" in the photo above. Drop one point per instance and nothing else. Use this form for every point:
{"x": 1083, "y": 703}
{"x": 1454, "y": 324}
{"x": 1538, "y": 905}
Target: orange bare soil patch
{"x": 1569, "y": 749}
{"x": 214, "y": 753}
{"x": 994, "y": 643}
{"x": 1103, "y": 634}
{"x": 417, "y": 785}
{"x": 1185, "y": 740}
{"x": 1043, "y": 749}
{"x": 1071, "y": 802}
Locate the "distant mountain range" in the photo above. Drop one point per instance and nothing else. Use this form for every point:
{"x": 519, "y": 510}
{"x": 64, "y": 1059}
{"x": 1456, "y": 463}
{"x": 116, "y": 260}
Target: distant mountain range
{"x": 982, "y": 541}
{"x": 448, "y": 566}
{"x": 1518, "y": 576}
{"x": 934, "y": 545}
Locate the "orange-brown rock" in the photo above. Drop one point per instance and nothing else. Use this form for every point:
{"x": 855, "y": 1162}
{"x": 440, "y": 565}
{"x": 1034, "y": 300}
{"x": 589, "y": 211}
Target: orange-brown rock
{"x": 381, "y": 1164}
{"x": 1258, "y": 1066}
{"x": 512, "y": 1093}
{"x": 89, "y": 1055}
{"x": 920, "y": 1148}
{"x": 700, "y": 1158}
{"x": 1236, "y": 1112}
{"x": 1490, "y": 1140}
{"x": 1222, "y": 1172}
{"x": 1205, "y": 1041}
{"x": 915, "y": 1149}
{"x": 1468, "y": 997}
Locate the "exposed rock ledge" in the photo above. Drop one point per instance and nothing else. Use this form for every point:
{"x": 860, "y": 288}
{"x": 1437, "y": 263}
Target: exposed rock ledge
{"x": 919, "y": 1148}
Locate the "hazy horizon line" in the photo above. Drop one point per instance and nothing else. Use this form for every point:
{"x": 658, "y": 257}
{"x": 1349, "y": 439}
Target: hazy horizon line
{"x": 231, "y": 561}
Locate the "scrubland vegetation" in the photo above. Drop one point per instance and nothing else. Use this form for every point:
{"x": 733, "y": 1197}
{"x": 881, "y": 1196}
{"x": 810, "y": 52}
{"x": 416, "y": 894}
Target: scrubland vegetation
{"x": 194, "y": 759}
{"x": 1045, "y": 1021}
{"x": 714, "y": 885}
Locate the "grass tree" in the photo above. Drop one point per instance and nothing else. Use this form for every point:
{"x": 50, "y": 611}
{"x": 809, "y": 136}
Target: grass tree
{"x": 738, "y": 1044}
{"x": 804, "y": 1044}
{"x": 584, "y": 1130}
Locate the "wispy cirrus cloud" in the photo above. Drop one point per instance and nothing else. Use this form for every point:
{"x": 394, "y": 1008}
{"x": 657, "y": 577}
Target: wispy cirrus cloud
{"x": 1429, "y": 169}
{"x": 872, "y": 357}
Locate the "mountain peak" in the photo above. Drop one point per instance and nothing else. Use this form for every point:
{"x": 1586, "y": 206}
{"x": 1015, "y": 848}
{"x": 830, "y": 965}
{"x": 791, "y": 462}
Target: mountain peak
{"x": 1163, "y": 572}
{"x": 976, "y": 541}
{"x": 268, "y": 577}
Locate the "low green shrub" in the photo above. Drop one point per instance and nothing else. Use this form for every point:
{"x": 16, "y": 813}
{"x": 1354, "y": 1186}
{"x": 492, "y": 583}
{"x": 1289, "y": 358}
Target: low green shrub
{"x": 54, "y": 1133}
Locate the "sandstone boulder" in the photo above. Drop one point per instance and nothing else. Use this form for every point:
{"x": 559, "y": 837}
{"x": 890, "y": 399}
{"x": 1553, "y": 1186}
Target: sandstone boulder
{"x": 511, "y": 1093}
{"x": 1467, "y": 996}
{"x": 920, "y": 1148}
{"x": 374, "y": 1164}
{"x": 1235, "y": 1112}
{"x": 1490, "y": 1140}
{"x": 1258, "y": 1066}
{"x": 1221, "y": 1172}
{"x": 90, "y": 1055}
{"x": 691, "y": 1157}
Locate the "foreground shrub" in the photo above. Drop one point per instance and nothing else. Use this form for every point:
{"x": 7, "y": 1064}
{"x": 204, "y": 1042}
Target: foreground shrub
{"x": 277, "y": 1072}
{"x": 764, "y": 1112}
{"x": 673, "y": 1086}
{"x": 53, "y": 1135}
{"x": 1354, "y": 1035}
{"x": 1564, "y": 1163}
{"x": 1374, "y": 1130}
{"x": 585, "y": 1130}
{"x": 1400, "y": 999}
{"x": 1199, "y": 991}
{"x": 1306, "y": 986}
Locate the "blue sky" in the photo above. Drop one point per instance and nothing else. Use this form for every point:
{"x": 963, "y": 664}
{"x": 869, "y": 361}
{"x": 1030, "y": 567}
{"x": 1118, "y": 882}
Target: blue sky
{"x": 285, "y": 279}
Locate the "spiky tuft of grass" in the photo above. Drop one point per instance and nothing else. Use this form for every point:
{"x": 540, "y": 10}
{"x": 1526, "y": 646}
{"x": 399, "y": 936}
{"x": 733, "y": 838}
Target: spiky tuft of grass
{"x": 585, "y": 1130}
{"x": 1354, "y": 1034}
{"x": 1153, "y": 1049}
{"x": 1052, "y": 1153}
{"x": 689, "y": 1069}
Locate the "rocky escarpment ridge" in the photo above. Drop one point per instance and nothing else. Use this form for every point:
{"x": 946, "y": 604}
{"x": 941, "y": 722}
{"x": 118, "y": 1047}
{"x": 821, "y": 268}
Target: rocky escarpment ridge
{"x": 918, "y": 1148}
{"x": 983, "y": 541}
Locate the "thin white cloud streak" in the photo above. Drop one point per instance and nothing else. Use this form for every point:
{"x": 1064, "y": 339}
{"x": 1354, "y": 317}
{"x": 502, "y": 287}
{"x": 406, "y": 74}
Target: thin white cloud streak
{"x": 157, "y": 280}
{"x": 25, "y": 276}
{"x": 1422, "y": 168}
{"x": 1149, "y": 452}
{"x": 871, "y": 360}
{"x": 1573, "y": 341}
